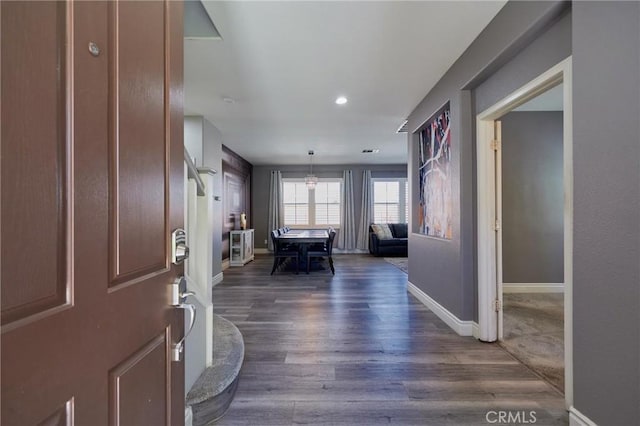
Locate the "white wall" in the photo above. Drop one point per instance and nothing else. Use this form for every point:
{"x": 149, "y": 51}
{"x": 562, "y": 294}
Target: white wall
{"x": 193, "y": 138}
{"x": 204, "y": 142}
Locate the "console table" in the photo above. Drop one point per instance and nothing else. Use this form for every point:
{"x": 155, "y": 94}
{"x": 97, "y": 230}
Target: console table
{"x": 241, "y": 247}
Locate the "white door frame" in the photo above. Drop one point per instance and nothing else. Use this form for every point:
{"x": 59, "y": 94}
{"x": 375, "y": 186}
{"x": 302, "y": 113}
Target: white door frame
{"x": 489, "y": 289}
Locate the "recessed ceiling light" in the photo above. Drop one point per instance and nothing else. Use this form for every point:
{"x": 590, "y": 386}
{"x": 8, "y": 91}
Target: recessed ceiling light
{"x": 341, "y": 100}
{"x": 228, "y": 100}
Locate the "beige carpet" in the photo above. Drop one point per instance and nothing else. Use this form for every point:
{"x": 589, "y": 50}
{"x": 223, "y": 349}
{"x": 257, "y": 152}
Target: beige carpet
{"x": 534, "y": 333}
{"x": 399, "y": 262}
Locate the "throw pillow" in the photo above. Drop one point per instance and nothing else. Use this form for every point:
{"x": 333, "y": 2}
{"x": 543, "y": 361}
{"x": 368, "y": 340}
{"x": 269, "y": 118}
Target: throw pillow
{"x": 382, "y": 231}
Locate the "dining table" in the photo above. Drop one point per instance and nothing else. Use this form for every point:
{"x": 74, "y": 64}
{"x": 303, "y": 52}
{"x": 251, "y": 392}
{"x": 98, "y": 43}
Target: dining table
{"x": 304, "y": 238}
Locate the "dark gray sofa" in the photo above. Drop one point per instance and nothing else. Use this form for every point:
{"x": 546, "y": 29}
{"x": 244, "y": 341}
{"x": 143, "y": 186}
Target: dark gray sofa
{"x": 396, "y": 246}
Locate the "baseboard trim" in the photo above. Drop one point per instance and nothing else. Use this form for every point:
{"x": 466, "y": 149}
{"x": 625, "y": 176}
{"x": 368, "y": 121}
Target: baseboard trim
{"x": 533, "y": 287}
{"x": 225, "y": 264}
{"x": 217, "y": 279}
{"x": 576, "y": 418}
{"x": 261, "y": 251}
{"x": 463, "y": 328}
{"x": 475, "y": 330}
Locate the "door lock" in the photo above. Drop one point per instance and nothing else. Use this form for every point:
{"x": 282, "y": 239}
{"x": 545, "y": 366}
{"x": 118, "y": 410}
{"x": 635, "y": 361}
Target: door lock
{"x": 179, "y": 249}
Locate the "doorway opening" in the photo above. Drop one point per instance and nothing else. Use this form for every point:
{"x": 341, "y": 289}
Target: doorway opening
{"x": 495, "y": 269}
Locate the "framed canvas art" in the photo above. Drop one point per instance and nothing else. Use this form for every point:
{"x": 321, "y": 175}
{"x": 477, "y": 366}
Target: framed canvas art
{"x": 434, "y": 166}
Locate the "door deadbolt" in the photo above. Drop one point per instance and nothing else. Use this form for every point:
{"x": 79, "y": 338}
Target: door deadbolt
{"x": 179, "y": 249}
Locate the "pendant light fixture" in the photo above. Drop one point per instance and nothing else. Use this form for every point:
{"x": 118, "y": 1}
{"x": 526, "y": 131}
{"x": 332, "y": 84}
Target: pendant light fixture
{"x": 311, "y": 180}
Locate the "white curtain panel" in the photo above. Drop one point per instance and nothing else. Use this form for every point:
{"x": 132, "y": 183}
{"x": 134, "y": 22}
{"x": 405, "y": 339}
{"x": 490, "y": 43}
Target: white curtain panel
{"x": 347, "y": 234}
{"x": 276, "y": 207}
{"x": 365, "y": 212}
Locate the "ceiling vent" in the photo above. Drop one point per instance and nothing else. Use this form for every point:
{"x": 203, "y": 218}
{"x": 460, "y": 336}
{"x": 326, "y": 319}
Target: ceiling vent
{"x": 403, "y": 127}
{"x": 370, "y": 151}
{"x": 197, "y": 22}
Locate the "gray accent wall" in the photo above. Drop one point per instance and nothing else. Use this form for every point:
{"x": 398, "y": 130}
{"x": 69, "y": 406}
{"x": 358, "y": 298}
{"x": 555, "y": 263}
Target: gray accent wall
{"x": 606, "y": 253}
{"x": 523, "y": 40}
{"x": 262, "y": 175}
{"x": 532, "y": 197}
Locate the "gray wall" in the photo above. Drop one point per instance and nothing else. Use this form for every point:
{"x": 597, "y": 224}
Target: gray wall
{"x": 524, "y": 40}
{"x": 262, "y": 174}
{"x": 604, "y": 40}
{"x": 606, "y": 254}
{"x": 532, "y": 197}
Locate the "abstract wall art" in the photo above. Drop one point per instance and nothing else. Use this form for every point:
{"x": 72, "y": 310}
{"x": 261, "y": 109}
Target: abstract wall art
{"x": 434, "y": 165}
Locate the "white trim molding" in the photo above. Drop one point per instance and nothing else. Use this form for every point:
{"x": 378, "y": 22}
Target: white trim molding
{"x": 576, "y": 418}
{"x": 490, "y": 288}
{"x": 225, "y": 264}
{"x": 533, "y": 287}
{"x": 463, "y": 328}
{"x": 262, "y": 250}
{"x": 475, "y": 330}
{"x": 217, "y": 279}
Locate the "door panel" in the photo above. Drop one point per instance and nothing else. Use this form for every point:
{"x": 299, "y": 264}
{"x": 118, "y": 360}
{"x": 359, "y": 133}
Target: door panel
{"x": 137, "y": 129}
{"x": 118, "y": 167}
{"x": 63, "y": 416}
{"x": 137, "y": 386}
{"x": 34, "y": 176}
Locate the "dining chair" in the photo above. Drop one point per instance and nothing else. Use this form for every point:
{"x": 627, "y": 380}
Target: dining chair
{"x": 327, "y": 250}
{"x": 282, "y": 252}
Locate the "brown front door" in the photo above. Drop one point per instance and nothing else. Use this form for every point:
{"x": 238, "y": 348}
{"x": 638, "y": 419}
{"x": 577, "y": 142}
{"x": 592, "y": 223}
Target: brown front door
{"x": 91, "y": 188}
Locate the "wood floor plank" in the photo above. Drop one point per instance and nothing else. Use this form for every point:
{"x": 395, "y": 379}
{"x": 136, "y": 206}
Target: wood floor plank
{"x": 257, "y": 370}
{"x": 358, "y": 349}
{"x": 417, "y": 413}
{"x": 258, "y": 412}
{"x": 329, "y": 390}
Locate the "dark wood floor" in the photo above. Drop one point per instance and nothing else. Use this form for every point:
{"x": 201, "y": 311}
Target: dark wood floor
{"x": 357, "y": 349}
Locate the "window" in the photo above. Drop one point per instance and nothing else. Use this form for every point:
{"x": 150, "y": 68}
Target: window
{"x": 327, "y": 200}
{"x": 311, "y": 207}
{"x": 390, "y": 200}
{"x": 296, "y": 203}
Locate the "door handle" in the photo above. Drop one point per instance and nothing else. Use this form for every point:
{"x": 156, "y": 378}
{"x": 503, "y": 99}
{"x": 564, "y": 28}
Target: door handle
{"x": 178, "y": 298}
{"x": 176, "y": 349}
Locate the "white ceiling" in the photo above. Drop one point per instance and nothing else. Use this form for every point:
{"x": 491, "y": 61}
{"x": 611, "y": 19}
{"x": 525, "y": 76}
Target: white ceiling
{"x": 284, "y": 63}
